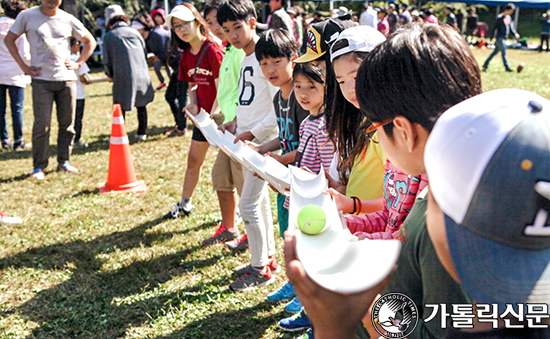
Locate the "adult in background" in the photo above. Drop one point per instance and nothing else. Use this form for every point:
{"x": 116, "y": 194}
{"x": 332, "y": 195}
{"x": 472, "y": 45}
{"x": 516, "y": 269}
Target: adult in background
{"x": 451, "y": 18}
{"x": 393, "y": 18}
{"x": 545, "y": 31}
{"x": 125, "y": 61}
{"x": 12, "y": 78}
{"x": 471, "y": 24}
{"x": 48, "y": 30}
{"x": 430, "y": 16}
{"x": 156, "y": 39}
{"x": 405, "y": 16}
{"x": 368, "y": 16}
{"x": 503, "y": 26}
{"x": 383, "y": 25}
{"x": 279, "y": 18}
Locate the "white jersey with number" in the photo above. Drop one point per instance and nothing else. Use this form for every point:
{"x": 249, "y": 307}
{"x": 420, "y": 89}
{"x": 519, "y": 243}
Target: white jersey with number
{"x": 255, "y": 112}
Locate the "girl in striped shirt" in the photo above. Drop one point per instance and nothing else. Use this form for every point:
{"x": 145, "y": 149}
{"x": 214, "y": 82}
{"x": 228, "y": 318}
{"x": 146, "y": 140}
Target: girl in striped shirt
{"x": 315, "y": 148}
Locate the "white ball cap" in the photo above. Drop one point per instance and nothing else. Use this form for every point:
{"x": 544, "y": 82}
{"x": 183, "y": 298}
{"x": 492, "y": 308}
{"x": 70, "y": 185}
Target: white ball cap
{"x": 112, "y": 11}
{"x": 181, "y": 12}
{"x": 360, "y": 39}
{"x": 454, "y": 160}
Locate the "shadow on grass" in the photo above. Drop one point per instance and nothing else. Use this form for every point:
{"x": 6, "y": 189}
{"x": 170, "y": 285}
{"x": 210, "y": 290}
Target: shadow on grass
{"x": 243, "y": 323}
{"x": 103, "y": 303}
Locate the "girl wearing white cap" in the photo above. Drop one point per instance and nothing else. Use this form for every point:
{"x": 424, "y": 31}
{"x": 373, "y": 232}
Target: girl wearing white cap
{"x": 199, "y": 66}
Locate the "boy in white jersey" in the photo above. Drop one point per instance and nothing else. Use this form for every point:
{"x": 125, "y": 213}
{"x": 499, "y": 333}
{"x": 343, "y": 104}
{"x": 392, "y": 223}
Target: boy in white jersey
{"x": 255, "y": 121}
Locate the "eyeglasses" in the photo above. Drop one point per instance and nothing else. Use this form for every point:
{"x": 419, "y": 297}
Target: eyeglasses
{"x": 180, "y": 27}
{"x": 372, "y": 129}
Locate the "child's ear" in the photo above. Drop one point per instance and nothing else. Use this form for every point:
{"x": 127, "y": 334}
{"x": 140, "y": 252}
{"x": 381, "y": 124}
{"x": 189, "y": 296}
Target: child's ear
{"x": 405, "y": 129}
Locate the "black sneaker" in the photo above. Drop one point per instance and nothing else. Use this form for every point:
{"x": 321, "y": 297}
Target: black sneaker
{"x": 222, "y": 234}
{"x": 238, "y": 245}
{"x": 252, "y": 279}
{"x": 177, "y": 211}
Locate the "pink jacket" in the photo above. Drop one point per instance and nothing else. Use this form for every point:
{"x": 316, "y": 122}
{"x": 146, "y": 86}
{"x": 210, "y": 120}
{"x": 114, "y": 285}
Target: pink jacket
{"x": 400, "y": 192}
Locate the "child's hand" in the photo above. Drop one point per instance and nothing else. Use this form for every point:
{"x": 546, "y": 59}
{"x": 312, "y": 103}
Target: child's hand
{"x": 254, "y": 146}
{"x": 275, "y": 156}
{"x": 71, "y": 65}
{"x": 231, "y": 127}
{"x": 333, "y": 183}
{"x": 244, "y": 136}
{"x": 343, "y": 203}
{"x": 192, "y": 109}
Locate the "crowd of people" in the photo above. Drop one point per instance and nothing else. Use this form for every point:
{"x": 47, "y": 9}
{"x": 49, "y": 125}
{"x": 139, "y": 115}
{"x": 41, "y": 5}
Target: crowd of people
{"x": 460, "y": 177}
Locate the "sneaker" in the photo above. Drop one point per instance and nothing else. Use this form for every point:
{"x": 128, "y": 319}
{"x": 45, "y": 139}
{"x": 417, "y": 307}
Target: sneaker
{"x": 175, "y": 132}
{"x": 294, "y": 305}
{"x": 484, "y": 69}
{"x": 299, "y": 321}
{"x": 9, "y": 220}
{"x": 21, "y": 146}
{"x": 273, "y": 267}
{"x": 80, "y": 144}
{"x": 7, "y": 145}
{"x": 252, "y": 279}
{"x": 286, "y": 292}
{"x": 161, "y": 86}
{"x": 509, "y": 70}
{"x": 37, "y": 174}
{"x": 140, "y": 137}
{"x": 308, "y": 334}
{"x": 66, "y": 167}
{"x": 222, "y": 234}
{"x": 177, "y": 211}
{"x": 238, "y": 245}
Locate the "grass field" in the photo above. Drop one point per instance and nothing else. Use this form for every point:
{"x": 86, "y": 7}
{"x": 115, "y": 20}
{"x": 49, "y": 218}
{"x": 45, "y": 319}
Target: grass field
{"x": 83, "y": 265}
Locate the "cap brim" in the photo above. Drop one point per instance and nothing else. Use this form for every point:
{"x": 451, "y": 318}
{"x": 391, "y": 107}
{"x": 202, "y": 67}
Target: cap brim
{"x": 180, "y": 14}
{"x": 492, "y": 272}
{"x": 308, "y": 57}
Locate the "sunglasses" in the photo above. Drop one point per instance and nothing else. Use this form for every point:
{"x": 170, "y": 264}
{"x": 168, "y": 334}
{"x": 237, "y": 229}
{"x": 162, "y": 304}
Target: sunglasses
{"x": 372, "y": 129}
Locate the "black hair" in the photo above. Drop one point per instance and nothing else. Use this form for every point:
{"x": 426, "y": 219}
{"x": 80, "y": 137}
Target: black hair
{"x": 145, "y": 19}
{"x": 431, "y": 69}
{"x": 13, "y": 7}
{"x": 73, "y": 41}
{"x": 115, "y": 19}
{"x": 309, "y": 71}
{"x": 209, "y": 6}
{"x": 276, "y": 43}
{"x": 283, "y": 3}
{"x": 236, "y": 10}
{"x": 345, "y": 123}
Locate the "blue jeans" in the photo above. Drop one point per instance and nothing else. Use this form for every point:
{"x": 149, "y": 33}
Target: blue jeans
{"x": 17, "y": 96}
{"x": 500, "y": 46}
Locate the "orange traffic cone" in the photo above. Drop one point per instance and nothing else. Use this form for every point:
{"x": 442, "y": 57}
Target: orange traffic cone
{"x": 482, "y": 41}
{"x": 122, "y": 175}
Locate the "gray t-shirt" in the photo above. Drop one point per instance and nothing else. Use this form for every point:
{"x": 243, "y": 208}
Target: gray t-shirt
{"x": 49, "y": 40}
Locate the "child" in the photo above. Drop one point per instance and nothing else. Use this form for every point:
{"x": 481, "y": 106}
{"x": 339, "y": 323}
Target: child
{"x": 441, "y": 54}
{"x": 275, "y": 51}
{"x": 227, "y": 175}
{"x": 358, "y": 164}
{"x": 315, "y": 148}
{"x": 199, "y": 66}
{"x": 254, "y": 121}
{"x": 399, "y": 189}
{"x": 81, "y": 80}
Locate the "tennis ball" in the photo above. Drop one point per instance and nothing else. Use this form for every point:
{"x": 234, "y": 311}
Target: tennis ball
{"x": 312, "y": 219}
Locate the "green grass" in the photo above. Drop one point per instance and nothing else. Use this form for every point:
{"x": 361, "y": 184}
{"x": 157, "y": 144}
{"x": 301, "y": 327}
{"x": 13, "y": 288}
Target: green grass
{"x": 83, "y": 265}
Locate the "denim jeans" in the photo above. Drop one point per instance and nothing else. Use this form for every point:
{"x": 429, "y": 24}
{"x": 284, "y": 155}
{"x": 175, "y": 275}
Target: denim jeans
{"x": 17, "y": 96}
{"x": 500, "y": 46}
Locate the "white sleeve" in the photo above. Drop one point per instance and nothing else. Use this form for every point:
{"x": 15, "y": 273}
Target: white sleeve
{"x": 333, "y": 169}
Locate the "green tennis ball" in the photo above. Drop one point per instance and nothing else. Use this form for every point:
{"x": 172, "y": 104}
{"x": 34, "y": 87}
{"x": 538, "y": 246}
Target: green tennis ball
{"x": 311, "y": 219}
